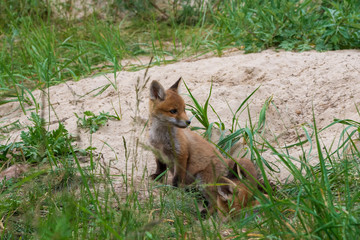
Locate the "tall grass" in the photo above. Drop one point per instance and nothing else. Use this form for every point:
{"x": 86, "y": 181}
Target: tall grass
{"x": 75, "y": 202}
{"x": 291, "y": 25}
{"x": 322, "y": 200}
{"x": 40, "y": 45}
{"x": 63, "y": 199}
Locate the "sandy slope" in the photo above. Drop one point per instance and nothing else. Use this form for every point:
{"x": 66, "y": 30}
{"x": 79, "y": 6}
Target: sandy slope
{"x": 329, "y": 82}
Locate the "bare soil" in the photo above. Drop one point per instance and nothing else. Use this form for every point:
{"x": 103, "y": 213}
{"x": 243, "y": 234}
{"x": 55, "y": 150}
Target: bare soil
{"x": 326, "y": 84}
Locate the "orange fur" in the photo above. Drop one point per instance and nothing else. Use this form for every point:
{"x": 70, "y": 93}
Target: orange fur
{"x": 233, "y": 196}
{"x": 190, "y": 157}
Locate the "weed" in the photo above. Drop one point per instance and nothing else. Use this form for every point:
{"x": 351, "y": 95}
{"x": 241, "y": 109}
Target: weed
{"x": 291, "y": 25}
{"x": 39, "y": 145}
{"x": 201, "y": 113}
{"x": 321, "y": 201}
{"x": 39, "y": 47}
{"x": 94, "y": 122}
{"x": 228, "y": 136}
{"x": 8, "y": 150}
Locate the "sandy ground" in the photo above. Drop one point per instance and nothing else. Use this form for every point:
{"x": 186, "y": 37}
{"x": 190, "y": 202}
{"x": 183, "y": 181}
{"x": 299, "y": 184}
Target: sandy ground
{"x": 327, "y": 84}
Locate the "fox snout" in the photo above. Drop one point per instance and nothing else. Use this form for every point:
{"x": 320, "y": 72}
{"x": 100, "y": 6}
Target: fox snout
{"x": 183, "y": 120}
{"x": 182, "y": 123}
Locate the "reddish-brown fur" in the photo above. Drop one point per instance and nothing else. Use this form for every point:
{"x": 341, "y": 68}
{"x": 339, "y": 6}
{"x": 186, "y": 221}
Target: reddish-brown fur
{"x": 190, "y": 157}
{"x": 233, "y": 196}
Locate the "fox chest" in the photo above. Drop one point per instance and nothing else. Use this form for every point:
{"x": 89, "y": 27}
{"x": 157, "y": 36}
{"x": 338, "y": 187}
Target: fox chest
{"x": 164, "y": 139}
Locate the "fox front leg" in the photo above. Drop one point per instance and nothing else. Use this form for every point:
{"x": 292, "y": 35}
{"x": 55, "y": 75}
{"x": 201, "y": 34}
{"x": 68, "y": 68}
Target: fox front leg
{"x": 160, "y": 168}
{"x": 180, "y": 171}
{"x": 210, "y": 196}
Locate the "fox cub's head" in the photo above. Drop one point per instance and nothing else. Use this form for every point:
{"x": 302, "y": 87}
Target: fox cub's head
{"x": 168, "y": 106}
{"x": 232, "y": 197}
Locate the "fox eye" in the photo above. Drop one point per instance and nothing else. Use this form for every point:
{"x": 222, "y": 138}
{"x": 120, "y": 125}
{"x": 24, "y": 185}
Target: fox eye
{"x": 173, "y": 111}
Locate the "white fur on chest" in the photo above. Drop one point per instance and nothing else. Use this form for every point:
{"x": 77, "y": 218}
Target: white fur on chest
{"x": 163, "y": 137}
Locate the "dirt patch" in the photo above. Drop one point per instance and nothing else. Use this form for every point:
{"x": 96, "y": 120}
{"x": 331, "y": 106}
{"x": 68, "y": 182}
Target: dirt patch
{"x": 300, "y": 84}
{"x": 13, "y": 171}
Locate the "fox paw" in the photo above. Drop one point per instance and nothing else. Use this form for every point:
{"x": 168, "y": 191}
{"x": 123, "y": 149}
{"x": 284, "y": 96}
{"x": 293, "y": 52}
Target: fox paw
{"x": 176, "y": 181}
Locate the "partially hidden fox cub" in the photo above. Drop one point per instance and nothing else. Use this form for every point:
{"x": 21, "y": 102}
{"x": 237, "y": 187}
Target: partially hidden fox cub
{"x": 233, "y": 195}
{"x": 190, "y": 157}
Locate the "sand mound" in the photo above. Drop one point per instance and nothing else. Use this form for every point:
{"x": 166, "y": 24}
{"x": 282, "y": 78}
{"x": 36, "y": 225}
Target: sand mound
{"x": 299, "y": 83}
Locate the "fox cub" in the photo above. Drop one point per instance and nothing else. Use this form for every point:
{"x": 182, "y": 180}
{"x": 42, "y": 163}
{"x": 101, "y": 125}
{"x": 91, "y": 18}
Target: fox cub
{"x": 233, "y": 195}
{"x": 190, "y": 157}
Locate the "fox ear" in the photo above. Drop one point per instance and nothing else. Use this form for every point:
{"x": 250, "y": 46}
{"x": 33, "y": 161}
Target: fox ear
{"x": 157, "y": 91}
{"x": 225, "y": 189}
{"x": 175, "y": 86}
{"x": 238, "y": 170}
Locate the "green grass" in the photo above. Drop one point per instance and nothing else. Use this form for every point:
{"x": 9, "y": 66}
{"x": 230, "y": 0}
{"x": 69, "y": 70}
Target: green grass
{"x": 94, "y": 122}
{"x": 39, "y": 145}
{"x": 68, "y": 201}
{"x": 60, "y": 198}
{"x": 291, "y": 25}
{"x": 40, "y": 47}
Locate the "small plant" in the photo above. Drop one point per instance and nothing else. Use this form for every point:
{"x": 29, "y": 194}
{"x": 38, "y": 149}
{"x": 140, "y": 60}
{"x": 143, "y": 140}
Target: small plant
{"x": 201, "y": 113}
{"x": 10, "y": 150}
{"x": 94, "y": 122}
{"x": 228, "y": 137}
{"x": 290, "y": 25}
{"x": 11, "y": 126}
{"x": 39, "y": 144}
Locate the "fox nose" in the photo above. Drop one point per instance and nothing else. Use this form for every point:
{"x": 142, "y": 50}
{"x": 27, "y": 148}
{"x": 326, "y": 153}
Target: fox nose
{"x": 188, "y": 122}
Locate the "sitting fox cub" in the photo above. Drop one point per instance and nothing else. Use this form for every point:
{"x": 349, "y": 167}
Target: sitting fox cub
{"x": 191, "y": 157}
